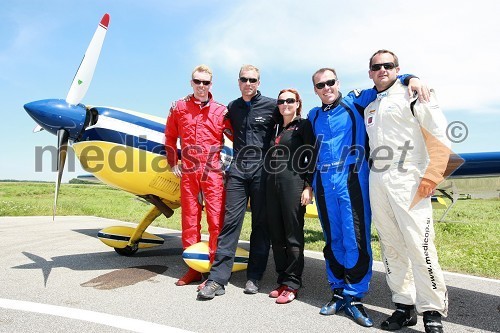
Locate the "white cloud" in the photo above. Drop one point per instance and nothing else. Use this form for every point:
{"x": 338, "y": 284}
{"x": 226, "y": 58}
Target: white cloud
{"x": 452, "y": 46}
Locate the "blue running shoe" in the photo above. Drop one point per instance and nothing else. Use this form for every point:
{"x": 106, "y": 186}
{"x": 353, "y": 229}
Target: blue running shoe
{"x": 355, "y": 309}
{"x": 336, "y": 304}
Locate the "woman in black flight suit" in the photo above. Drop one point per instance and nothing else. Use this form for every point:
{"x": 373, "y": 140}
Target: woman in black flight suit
{"x": 290, "y": 163}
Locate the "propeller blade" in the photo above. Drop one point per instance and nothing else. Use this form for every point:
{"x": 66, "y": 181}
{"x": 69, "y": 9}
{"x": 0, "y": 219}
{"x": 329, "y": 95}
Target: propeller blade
{"x": 83, "y": 76}
{"x": 37, "y": 129}
{"x": 62, "y": 149}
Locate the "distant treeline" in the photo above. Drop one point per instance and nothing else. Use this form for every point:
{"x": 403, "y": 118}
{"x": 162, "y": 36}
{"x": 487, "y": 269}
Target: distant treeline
{"x": 23, "y": 181}
{"x": 72, "y": 181}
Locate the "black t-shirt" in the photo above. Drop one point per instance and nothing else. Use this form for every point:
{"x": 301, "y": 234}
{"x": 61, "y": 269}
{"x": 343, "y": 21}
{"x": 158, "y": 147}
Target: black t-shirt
{"x": 292, "y": 153}
{"x": 253, "y": 125}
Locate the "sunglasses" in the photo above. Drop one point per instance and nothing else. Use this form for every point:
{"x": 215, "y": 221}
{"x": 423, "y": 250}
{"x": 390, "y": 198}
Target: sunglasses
{"x": 321, "y": 85}
{"x": 288, "y": 101}
{"x": 386, "y": 65}
{"x": 198, "y": 82}
{"x": 246, "y": 79}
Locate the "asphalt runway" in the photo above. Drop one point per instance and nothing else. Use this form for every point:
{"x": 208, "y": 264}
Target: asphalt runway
{"x": 58, "y": 277}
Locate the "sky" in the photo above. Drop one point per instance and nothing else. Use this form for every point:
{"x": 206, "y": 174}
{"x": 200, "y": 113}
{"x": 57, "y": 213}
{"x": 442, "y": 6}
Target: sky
{"x": 152, "y": 46}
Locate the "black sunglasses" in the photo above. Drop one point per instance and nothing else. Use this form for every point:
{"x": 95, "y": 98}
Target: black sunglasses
{"x": 288, "y": 101}
{"x": 386, "y": 65}
{"x": 245, "y": 79}
{"x": 321, "y": 85}
{"x": 198, "y": 82}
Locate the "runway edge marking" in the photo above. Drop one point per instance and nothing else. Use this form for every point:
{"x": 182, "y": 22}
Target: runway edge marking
{"x": 135, "y": 325}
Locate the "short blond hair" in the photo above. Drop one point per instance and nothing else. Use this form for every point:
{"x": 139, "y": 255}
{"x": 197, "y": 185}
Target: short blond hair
{"x": 249, "y": 68}
{"x": 202, "y": 68}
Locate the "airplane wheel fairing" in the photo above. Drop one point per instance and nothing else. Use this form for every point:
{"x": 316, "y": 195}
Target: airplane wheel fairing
{"x": 196, "y": 257}
{"x": 119, "y": 237}
{"x": 127, "y": 250}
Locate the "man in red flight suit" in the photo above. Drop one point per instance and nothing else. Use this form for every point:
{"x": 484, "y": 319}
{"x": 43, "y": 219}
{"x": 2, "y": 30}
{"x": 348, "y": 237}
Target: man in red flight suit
{"x": 200, "y": 123}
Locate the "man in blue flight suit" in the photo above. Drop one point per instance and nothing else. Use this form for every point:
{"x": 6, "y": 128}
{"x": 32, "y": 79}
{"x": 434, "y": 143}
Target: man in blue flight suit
{"x": 341, "y": 189}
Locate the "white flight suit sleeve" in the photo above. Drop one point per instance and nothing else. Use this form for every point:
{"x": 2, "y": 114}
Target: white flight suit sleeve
{"x": 433, "y": 125}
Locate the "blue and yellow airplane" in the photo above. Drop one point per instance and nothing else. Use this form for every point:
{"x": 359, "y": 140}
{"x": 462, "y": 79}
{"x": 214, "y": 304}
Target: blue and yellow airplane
{"x": 122, "y": 148}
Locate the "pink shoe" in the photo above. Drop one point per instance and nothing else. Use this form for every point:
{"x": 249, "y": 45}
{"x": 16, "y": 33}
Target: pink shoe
{"x": 287, "y": 296}
{"x": 276, "y": 292}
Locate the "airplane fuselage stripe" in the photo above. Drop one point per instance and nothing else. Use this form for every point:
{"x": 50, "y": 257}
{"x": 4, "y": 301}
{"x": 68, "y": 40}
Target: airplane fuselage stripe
{"x": 114, "y": 136}
{"x": 148, "y": 129}
{"x": 204, "y": 256}
{"x": 131, "y": 129}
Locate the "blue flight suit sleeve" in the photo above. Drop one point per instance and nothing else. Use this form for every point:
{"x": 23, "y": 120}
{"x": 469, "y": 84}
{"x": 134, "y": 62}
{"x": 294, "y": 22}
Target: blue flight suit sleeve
{"x": 361, "y": 99}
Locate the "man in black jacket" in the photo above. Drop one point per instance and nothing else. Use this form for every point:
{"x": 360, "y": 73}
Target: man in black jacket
{"x": 252, "y": 117}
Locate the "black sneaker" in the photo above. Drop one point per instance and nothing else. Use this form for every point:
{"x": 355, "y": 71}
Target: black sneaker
{"x": 403, "y": 316}
{"x": 210, "y": 290}
{"x": 432, "y": 322}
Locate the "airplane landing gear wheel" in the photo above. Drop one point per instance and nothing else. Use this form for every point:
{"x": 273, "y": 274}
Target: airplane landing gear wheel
{"x": 127, "y": 250}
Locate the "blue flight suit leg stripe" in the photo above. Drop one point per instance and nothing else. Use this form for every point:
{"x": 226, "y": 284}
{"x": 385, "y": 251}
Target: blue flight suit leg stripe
{"x": 348, "y": 268}
{"x": 334, "y": 269}
{"x": 359, "y": 274}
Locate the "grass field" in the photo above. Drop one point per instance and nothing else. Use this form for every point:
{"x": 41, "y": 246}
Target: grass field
{"x": 470, "y": 244}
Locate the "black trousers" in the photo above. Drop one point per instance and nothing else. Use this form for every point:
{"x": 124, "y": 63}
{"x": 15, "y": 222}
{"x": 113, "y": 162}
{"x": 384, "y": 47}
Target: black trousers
{"x": 286, "y": 226}
{"x": 245, "y": 181}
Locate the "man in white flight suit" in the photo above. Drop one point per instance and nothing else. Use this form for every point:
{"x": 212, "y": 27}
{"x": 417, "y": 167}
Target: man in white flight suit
{"x": 409, "y": 152}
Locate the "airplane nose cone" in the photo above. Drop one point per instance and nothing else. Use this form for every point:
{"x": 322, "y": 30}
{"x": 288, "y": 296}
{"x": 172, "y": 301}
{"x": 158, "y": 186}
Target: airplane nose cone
{"x": 56, "y": 114}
